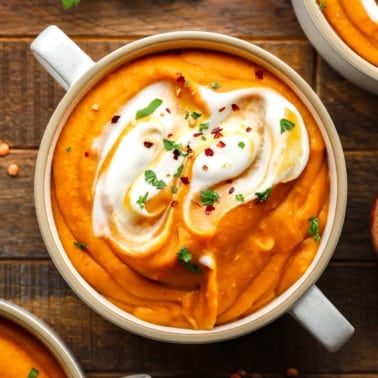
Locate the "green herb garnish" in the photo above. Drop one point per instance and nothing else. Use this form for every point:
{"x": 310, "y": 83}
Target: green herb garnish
{"x": 179, "y": 171}
{"x": 185, "y": 257}
{"x": 171, "y": 145}
{"x": 174, "y": 189}
{"x": 241, "y": 144}
{"x": 149, "y": 109}
{"x": 69, "y": 3}
{"x": 203, "y": 126}
{"x": 263, "y": 196}
{"x": 322, "y": 5}
{"x": 68, "y": 149}
{"x": 33, "y": 373}
{"x": 240, "y": 197}
{"x": 208, "y": 197}
{"x": 215, "y": 85}
{"x": 313, "y": 230}
{"x": 150, "y": 177}
{"x": 141, "y": 201}
{"x": 195, "y": 115}
{"x": 286, "y": 125}
{"x": 80, "y": 245}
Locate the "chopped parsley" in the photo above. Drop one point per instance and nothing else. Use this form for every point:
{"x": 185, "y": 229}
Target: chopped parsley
{"x": 80, "y": 245}
{"x": 203, "y": 126}
{"x": 195, "y": 115}
{"x": 179, "y": 171}
{"x": 150, "y": 177}
{"x": 174, "y": 189}
{"x": 141, "y": 201}
{"x": 241, "y": 144}
{"x": 286, "y": 125}
{"x": 208, "y": 197}
{"x": 68, "y": 149}
{"x": 215, "y": 85}
{"x": 68, "y": 4}
{"x": 313, "y": 230}
{"x": 322, "y": 5}
{"x": 239, "y": 197}
{"x": 185, "y": 257}
{"x": 33, "y": 373}
{"x": 149, "y": 109}
{"x": 263, "y": 196}
{"x": 171, "y": 145}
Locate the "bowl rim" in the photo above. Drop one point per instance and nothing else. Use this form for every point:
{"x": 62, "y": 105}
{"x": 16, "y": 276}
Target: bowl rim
{"x": 328, "y": 42}
{"x": 43, "y": 333}
{"x": 173, "y": 41}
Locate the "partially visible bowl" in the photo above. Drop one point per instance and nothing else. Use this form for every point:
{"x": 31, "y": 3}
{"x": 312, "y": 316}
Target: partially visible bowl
{"x": 333, "y": 48}
{"x": 44, "y": 334}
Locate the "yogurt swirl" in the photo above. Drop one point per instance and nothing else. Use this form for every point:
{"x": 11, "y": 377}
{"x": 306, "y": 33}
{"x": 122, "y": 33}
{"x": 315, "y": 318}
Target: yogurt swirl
{"x": 241, "y": 143}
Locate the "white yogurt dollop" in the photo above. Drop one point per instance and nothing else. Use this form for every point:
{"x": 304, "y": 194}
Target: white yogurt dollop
{"x": 251, "y": 140}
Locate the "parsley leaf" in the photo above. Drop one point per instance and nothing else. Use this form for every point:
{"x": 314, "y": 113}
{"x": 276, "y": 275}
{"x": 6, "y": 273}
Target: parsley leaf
{"x": 185, "y": 257}
{"x": 203, "y": 126}
{"x": 195, "y": 115}
{"x": 179, "y": 171}
{"x": 208, "y": 197}
{"x": 286, "y": 125}
{"x": 33, "y": 373}
{"x": 263, "y": 196}
{"x": 141, "y": 201}
{"x": 322, "y": 5}
{"x": 241, "y": 144}
{"x": 240, "y": 197}
{"x": 80, "y": 245}
{"x": 314, "y": 228}
{"x": 149, "y": 109}
{"x": 150, "y": 177}
{"x": 69, "y": 3}
{"x": 215, "y": 85}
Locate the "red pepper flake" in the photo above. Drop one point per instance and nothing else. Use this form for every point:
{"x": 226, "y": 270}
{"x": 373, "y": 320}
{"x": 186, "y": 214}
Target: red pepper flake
{"x": 231, "y": 190}
{"x": 209, "y": 209}
{"x": 248, "y": 129}
{"x": 189, "y": 149}
{"x": 195, "y": 135}
{"x": 205, "y": 167}
{"x": 169, "y": 135}
{"x": 217, "y": 132}
{"x": 176, "y": 154}
{"x": 174, "y": 203}
{"x": 220, "y": 110}
{"x": 235, "y": 107}
{"x": 229, "y": 181}
{"x": 185, "y": 180}
{"x": 221, "y": 144}
{"x": 147, "y": 144}
{"x": 86, "y": 153}
{"x": 180, "y": 78}
{"x": 168, "y": 110}
{"x": 259, "y": 74}
{"x": 209, "y": 152}
{"x": 115, "y": 118}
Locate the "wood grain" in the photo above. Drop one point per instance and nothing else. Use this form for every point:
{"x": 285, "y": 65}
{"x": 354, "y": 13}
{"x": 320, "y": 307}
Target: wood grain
{"x": 101, "y": 346}
{"x": 257, "y": 18}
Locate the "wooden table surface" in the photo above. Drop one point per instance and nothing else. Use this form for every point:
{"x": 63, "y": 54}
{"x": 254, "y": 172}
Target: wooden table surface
{"x": 28, "y": 97}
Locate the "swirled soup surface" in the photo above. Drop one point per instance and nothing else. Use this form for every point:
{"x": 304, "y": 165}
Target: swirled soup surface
{"x": 22, "y": 355}
{"x": 183, "y": 185}
{"x": 356, "y": 22}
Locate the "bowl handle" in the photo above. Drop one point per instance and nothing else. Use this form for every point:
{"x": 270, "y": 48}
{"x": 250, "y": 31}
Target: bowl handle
{"x": 322, "y": 319}
{"x": 62, "y": 58}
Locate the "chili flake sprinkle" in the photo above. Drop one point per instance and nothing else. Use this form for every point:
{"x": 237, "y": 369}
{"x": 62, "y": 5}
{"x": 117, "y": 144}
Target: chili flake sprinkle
{"x": 248, "y": 129}
{"x": 209, "y": 209}
{"x": 115, "y": 118}
{"x": 180, "y": 78}
{"x": 259, "y": 74}
{"x": 231, "y": 190}
{"x": 185, "y": 180}
{"x": 235, "y": 107}
{"x": 209, "y": 152}
{"x": 220, "y": 110}
{"x": 147, "y": 144}
{"x": 221, "y": 144}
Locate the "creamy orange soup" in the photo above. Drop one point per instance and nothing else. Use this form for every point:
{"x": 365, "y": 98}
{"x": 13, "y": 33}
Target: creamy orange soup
{"x": 190, "y": 188}
{"x": 356, "y": 22}
{"x": 23, "y": 356}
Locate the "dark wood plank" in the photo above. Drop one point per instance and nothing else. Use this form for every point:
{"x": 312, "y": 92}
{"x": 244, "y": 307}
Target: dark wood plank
{"x": 103, "y": 347}
{"x": 353, "y": 110}
{"x": 259, "y": 18}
